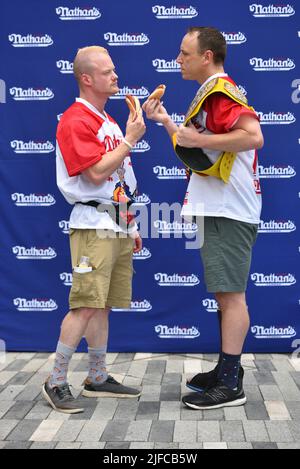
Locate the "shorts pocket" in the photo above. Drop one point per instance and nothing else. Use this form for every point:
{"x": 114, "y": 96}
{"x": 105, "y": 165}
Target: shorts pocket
{"x": 84, "y": 289}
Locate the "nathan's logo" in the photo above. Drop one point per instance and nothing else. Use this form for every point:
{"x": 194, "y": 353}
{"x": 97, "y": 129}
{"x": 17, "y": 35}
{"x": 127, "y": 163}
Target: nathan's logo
{"x": 17, "y": 40}
{"x": 64, "y": 66}
{"x": 169, "y": 173}
{"x": 33, "y": 253}
{"x": 176, "y": 280}
{"x": 142, "y": 255}
{"x": 176, "y": 118}
{"x": 141, "y": 147}
{"x": 272, "y": 64}
{"x": 138, "y": 92}
{"x": 66, "y": 278}
{"x": 77, "y": 13}
{"x": 126, "y": 39}
{"x": 165, "y": 66}
{"x": 36, "y": 304}
{"x": 64, "y": 225}
{"x": 33, "y": 200}
{"x": 273, "y": 226}
{"x": 176, "y": 332}
{"x": 163, "y": 227}
{"x": 210, "y": 305}
{"x": 137, "y": 307}
{"x": 271, "y": 11}
{"x": 235, "y": 38}
{"x": 262, "y": 332}
{"x": 276, "y": 172}
{"x": 276, "y": 118}
{"x": 174, "y": 13}
{"x": 21, "y": 147}
{"x": 31, "y": 94}
{"x": 142, "y": 199}
{"x": 273, "y": 280}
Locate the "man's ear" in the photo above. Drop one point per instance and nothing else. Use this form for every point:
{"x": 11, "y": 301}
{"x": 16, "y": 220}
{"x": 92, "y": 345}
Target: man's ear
{"x": 209, "y": 56}
{"x": 86, "y": 79}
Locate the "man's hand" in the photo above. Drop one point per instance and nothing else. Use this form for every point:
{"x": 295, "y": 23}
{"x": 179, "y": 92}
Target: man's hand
{"x": 136, "y": 128}
{"x": 188, "y": 137}
{"x": 155, "y": 111}
{"x": 138, "y": 244}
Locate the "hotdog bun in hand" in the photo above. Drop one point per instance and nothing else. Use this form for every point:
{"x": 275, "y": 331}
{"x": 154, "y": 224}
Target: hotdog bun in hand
{"x": 158, "y": 92}
{"x": 134, "y": 105}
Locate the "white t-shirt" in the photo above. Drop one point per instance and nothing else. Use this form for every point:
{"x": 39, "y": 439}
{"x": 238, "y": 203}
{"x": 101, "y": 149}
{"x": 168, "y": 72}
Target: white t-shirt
{"x": 240, "y": 199}
{"x": 84, "y": 135}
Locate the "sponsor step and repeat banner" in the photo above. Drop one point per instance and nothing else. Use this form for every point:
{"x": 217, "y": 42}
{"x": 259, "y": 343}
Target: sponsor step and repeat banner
{"x": 170, "y": 311}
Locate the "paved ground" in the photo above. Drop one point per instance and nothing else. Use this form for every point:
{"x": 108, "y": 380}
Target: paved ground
{"x": 270, "y": 419}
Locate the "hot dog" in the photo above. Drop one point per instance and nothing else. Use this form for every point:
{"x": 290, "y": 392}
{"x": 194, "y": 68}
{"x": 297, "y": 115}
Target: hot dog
{"x": 158, "y": 92}
{"x": 134, "y": 104}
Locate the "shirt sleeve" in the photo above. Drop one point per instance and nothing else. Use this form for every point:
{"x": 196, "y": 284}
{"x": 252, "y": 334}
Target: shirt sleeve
{"x": 79, "y": 146}
{"x": 223, "y": 113}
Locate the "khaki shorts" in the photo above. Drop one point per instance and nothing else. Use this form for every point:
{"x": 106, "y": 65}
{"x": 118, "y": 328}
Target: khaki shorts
{"x": 110, "y": 282}
{"x": 226, "y": 254}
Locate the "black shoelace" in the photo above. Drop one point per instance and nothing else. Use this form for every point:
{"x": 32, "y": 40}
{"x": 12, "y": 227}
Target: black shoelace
{"x": 64, "y": 392}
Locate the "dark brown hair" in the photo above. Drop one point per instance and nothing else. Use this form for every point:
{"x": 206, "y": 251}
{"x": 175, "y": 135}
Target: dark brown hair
{"x": 211, "y": 39}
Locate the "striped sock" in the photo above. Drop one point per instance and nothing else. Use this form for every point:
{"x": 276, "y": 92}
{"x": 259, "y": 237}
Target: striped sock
{"x": 97, "y": 365}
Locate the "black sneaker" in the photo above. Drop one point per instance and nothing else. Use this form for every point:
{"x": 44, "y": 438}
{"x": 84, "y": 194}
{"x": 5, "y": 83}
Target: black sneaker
{"x": 61, "y": 399}
{"x": 203, "y": 381}
{"x": 110, "y": 388}
{"x": 216, "y": 397}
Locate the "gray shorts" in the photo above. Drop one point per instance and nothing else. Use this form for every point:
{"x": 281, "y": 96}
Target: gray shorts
{"x": 226, "y": 254}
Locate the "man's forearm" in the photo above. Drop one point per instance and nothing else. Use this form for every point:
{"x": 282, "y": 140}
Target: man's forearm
{"x": 235, "y": 141}
{"x": 170, "y": 127}
{"x": 109, "y": 163}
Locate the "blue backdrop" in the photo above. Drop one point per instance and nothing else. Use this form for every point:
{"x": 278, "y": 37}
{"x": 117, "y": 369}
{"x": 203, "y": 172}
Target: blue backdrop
{"x": 38, "y": 41}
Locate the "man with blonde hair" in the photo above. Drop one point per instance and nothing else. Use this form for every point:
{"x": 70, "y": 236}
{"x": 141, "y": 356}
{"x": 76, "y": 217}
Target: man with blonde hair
{"x": 91, "y": 151}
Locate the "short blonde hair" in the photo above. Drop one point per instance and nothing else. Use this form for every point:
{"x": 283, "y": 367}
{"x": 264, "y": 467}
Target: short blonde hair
{"x": 83, "y": 62}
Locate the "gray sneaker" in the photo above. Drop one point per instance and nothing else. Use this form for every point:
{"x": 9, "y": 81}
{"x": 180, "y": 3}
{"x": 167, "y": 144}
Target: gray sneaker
{"x": 110, "y": 388}
{"x": 61, "y": 399}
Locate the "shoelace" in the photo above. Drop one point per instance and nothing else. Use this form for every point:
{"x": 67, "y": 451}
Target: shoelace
{"x": 64, "y": 392}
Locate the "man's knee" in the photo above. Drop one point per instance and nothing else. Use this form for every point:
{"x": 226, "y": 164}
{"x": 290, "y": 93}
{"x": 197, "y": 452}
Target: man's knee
{"x": 85, "y": 313}
{"x": 231, "y": 300}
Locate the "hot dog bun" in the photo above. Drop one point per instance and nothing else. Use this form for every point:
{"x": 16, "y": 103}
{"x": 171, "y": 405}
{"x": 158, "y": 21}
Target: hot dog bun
{"x": 158, "y": 92}
{"x": 133, "y": 103}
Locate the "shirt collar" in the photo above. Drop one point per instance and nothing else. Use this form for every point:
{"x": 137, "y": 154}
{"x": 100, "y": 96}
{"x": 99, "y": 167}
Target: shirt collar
{"x": 213, "y": 77}
{"x": 92, "y": 108}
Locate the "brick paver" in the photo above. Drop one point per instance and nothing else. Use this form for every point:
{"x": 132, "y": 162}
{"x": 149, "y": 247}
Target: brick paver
{"x": 158, "y": 419}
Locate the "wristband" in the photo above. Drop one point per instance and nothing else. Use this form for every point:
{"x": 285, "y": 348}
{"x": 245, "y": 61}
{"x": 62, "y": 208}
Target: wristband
{"x": 127, "y": 143}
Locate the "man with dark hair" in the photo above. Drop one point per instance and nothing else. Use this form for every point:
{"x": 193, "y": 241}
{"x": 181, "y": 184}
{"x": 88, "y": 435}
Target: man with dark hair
{"x": 218, "y": 142}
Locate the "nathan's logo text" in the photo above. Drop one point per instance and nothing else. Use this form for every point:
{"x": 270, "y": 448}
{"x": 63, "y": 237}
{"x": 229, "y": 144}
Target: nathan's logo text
{"x": 176, "y": 332}
{"x": 174, "y": 13}
{"x": 17, "y": 40}
{"x": 271, "y": 11}
{"x": 126, "y": 39}
{"x": 66, "y": 13}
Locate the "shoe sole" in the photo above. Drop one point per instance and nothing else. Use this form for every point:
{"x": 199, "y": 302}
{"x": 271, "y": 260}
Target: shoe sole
{"x": 193, "y": 388}
{"x": 63, "y": 411}
{"x": 109, "y": 394}
{"x": 237, "y": 403}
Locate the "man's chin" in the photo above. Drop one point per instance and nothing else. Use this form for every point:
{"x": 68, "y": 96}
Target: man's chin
{"x": 115, "y": 90}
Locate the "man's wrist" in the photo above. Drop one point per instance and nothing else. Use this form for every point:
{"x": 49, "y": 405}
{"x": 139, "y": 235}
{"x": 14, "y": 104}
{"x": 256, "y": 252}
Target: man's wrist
{"x": 129, "y": 142}
{"x": 167, "y": 121}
